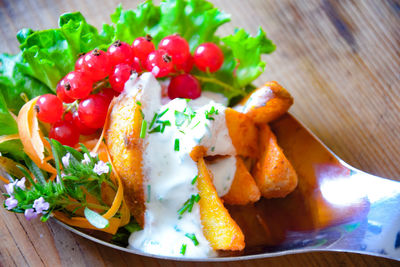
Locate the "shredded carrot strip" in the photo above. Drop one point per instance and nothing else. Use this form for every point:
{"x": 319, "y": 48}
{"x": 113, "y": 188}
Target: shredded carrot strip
{"x": 82, "y": 222}
{"x": 110, "y": 107}
{"x": 53, "y": 176}
{"x": 31, "y": 136}
{"x": 118, "y": 196}
{"x": 5, "y": 180}
{"x": 10, "y": 137}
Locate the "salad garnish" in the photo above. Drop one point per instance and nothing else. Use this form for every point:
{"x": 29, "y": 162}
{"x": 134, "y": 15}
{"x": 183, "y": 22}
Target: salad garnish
{"x": 61, "y": 85}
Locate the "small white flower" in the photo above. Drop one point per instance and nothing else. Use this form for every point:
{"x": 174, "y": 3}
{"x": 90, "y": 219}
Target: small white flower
{"x": 21, "y": 183}
{"x": 58, "y": 178}
{"x": 93, "y": 155}
{"x": 101, "y": 167}
{"x": 9, "y": 188}
{"x": 65, "y": 160}
{"x": 40, "y": 205}
{"x": 86, "y": 159}
{"x": 11, "y": 203}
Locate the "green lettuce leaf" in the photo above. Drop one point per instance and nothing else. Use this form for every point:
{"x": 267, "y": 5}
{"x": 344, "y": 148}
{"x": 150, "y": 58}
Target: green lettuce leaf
{"x": 195, "y": 20}
{"x": 15, "y": 80}
{"x": 52, "y": 53}
{"x": 9, "y": 126}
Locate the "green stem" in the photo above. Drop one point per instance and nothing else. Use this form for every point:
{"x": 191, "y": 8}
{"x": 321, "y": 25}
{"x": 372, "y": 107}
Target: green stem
{"x": 89, "y": 205}
{"x": 215, "y": 81}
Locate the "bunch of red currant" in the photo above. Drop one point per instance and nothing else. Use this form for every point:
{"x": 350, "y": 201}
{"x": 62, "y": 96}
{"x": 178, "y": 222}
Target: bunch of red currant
{"x": 86, "y": 107}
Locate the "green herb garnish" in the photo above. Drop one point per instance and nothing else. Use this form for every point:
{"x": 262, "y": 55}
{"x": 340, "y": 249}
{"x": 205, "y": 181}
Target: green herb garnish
{"x": 193, "y": 238}
{"x": 183, "y": 249}
{"x": 176, "y": 145}
{"x": 143, "y": 129}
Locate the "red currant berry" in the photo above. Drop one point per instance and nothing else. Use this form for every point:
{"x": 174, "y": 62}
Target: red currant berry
{"x": 49, "y": 108}
{"x": 120, "y": 52}
{"x": 177, "y": 47}
{"x": 142, "y": 47}
{"x": 77, "y": 85}
{"x": 83, "y": 129}
{"x": 186, "y": 66}
{"x": 119, "y": 76}
{"x": 79, "y": 61}
{"x": 61, "y": 94}
{"x": 108, "y": 94}
{"x": 159, "y": 63}
{"x": 136, "y": 66}
{"x": 65, "y": 133}
{"x": 93, "y": 111}
{"x": 184, "y": 86}
{"x": 208, "y": 56}
{"x": 95, "y": 65}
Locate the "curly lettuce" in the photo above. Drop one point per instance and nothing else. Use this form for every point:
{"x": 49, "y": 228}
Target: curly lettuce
{"x": 48, "y": 55}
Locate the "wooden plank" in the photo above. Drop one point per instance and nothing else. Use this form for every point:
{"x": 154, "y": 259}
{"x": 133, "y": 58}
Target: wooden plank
{"x": 339, "y": 59}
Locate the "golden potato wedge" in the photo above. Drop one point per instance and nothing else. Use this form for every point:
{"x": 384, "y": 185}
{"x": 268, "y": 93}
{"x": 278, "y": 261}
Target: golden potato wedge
{"x": 125, "y": 146}
{"x": 244, "y": 189}
{"x": 218, "y": 226}
{"x": 267, "y": 103}
{"x": 243, "y": 132}
{"x": 273, "y": 173}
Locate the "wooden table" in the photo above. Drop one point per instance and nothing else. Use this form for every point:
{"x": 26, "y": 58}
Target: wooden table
{"x": 339, "y": 59}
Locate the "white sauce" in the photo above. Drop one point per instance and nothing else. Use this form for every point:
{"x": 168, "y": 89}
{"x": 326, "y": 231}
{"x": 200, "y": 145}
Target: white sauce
{"x": 223, "y": 170}
{"x": 257, "y": 99}
{"x": 169, "y": 173}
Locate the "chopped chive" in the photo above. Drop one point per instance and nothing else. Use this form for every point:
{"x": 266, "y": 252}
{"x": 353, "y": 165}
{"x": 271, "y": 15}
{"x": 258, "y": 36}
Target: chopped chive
{"x": 211, "y": 112}
{"x": 148, "y": 193}
{"x": 184, "y": 207}
{"x": 196, "y": 125}
{"x": 195, "y": 179}
{"x": 176, "y": 145}
{"x": 212, "y": 149}
{"x": 141, "y": 112}
{"x": 138, "y": 102}
{"x": 143, "y": 129}
{"x": 153, "y": 120}
{"x": 197, "y": 198}
{"x": 162, "y": 113}
{"x": 193, "y": 238}
{"x": 191, "y": 203}
{"x": 183, "y": 249}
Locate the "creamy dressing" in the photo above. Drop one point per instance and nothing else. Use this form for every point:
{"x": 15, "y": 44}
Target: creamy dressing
{"x": 257, "y": 99}
{"x": 223, "y": 170}
{"x": 169, "y": 170}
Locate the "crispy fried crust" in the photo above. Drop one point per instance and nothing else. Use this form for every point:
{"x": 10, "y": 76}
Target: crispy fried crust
{"x": 243, "y": 189}
{"x": 273, "y": 173}
{"x": 276, "y": 101}
{"x": 125, "y": 146}
{"x": 243, "y": 133}
{"x": 218, "y": 226}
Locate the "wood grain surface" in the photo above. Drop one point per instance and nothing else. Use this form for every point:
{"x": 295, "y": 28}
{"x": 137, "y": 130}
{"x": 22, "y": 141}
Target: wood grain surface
{"x": 339, "y": 59}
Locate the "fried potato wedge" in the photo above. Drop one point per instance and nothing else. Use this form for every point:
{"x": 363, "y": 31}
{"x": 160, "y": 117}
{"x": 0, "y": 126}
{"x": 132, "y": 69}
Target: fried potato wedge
{"x": 243, "y": 132}
{"x": 273, "y": 173}
{"x": 267, "y": 103}
{"x": 244, "y": 189}
{"x": 125, "y": 146}
{"x": 218, "y": 226}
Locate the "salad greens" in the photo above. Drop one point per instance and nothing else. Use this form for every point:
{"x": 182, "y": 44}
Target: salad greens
{"x": 46, "y": 56}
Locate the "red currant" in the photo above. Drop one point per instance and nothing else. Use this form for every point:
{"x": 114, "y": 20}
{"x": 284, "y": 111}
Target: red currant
{"x": 177, "y": 47}
{"x": 119, "y": 76}
{"x": 108, "y": 94}
{"x": 120, "y": 52}
{"x": 61, "y": 94}
{"x": 208, "y": 57}
{"x": 186, "y": 66}
{"x": 64, "y": 132}
{"x": 159, "y": 63}
{"x": 95, "y": 65}
{"x": 136, "y": 65}
{"x": 184, "y": 86}
{"x": 49, "y": 108}
{"x": 142, "y": 47}
{"x": 83, "y": 129}
{"x": 93, "y": 111}
{"x": 77, "y": 85}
